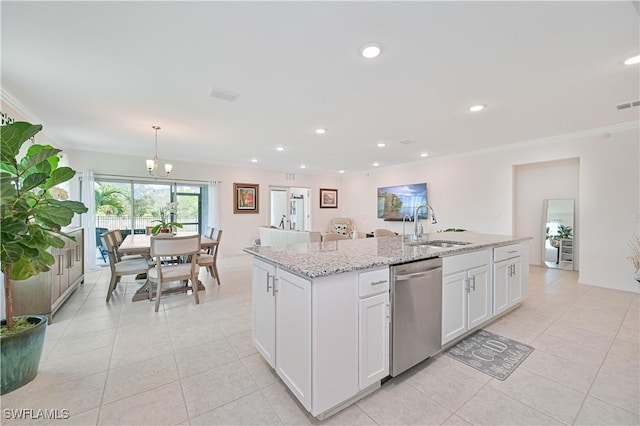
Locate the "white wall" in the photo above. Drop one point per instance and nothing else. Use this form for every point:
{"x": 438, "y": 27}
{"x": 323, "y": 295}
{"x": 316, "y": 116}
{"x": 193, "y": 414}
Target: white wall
{"x": 536, "y": 182}
{"x": 475, "y": 191}
{"x": 239, "y": 229}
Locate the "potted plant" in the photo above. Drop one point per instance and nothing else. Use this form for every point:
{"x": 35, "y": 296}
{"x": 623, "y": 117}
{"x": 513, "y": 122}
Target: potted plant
{"x": 165, "y": 224}
{"x": 34, "y": 211}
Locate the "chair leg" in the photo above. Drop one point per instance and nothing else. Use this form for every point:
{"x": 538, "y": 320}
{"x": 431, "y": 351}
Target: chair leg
{"x": 112, "y": 286}
{"x": 217, "y": 275}
{"x": 194, "y": 286}
{"x": 158, "y": 294}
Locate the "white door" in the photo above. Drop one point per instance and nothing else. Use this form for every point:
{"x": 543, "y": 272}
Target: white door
{"x": 293, "y": 334}
{"x": 373, "y": 340}
{"x": 515, "y": 281}
{"x": 264, "y": 313}
{"x": 480, "y": 301}
{"x": 501, "y": 286}
{"x": 454, "y": 306}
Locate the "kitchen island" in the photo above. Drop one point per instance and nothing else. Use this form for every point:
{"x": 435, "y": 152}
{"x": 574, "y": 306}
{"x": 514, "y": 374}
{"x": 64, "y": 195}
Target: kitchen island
{"x": 322, "y": 312}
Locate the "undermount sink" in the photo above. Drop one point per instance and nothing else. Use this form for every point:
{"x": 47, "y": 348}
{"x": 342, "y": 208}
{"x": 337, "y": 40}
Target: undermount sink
{"x": 441, "y": 243}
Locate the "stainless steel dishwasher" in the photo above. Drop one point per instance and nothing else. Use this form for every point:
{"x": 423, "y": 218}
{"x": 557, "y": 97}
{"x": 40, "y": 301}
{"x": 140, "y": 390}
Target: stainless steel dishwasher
{"x": 416, "y": 313}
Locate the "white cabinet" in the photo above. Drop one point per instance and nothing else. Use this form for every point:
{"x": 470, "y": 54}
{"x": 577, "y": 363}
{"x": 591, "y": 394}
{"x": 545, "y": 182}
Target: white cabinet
{"x": 565, "y": 254}
{"x": 326, "y": 338}
{"x": 264, "y": 310}
{"x": 510, "y": 278}
{"x": 293, "y": 334}
{"x": 373, "y": 327}
{"x": 466, "y": 293}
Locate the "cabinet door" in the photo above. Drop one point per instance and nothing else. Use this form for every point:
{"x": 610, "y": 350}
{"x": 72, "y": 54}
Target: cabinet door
{"x": 501, "y": 286}
{"x": 515, "y": 281}
{"x": 293, "y": 334}
{"x": 479, "y": 298}
{"x": 264, "y": 311}
{"x": 454, "y": 306}
{"x": 373, "y": 340}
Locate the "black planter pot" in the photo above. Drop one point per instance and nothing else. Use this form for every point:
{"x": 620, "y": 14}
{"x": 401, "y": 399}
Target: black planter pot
{"x": 20, "y": 354}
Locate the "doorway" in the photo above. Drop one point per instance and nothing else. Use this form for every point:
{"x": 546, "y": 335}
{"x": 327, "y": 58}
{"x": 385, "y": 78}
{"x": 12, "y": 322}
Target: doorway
{"x": 533, "y": 185}
{"x": 290, "y": 208}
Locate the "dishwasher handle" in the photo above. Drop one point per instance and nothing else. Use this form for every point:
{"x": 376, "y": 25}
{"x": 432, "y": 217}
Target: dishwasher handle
{"x": 416, "y": 274}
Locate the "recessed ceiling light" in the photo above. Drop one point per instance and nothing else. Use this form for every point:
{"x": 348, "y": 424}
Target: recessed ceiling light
{"x": 279, "y": 148}
{"x": 424, "y": 154}
{"x": 254, "y": 160}
{"x": 476, "y": 108}
{"x": 321, "y": 131}
{"x": 340, "y": 171}
{"x": 370, "y": 50}
{"x": 302, "y": 166}
{"x": 633, "y": 60}
{"x": 376, "y": 164}
{"x": 382, "y": 145}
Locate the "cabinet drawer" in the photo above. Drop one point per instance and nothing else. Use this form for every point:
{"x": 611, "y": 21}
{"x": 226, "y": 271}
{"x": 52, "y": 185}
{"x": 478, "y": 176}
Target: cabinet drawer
{"x": 373, "y": 282}
{"x": 461, "y": 262}
{"x": 507, "y": 252}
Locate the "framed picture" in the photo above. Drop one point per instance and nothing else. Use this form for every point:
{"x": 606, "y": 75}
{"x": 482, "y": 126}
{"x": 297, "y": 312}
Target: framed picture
{"x": 328, "y": 198}
{"x": 245, "y": 197}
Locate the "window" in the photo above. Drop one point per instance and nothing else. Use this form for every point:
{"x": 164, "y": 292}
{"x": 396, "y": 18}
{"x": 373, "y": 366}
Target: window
{"x": 132, "y": 206}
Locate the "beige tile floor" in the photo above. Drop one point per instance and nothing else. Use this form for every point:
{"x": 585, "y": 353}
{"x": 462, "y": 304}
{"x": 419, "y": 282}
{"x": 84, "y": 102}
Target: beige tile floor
{"x": 122, "y": 363}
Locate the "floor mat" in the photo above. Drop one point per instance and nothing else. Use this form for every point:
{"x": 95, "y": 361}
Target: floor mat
{"x": 490, "y": 353}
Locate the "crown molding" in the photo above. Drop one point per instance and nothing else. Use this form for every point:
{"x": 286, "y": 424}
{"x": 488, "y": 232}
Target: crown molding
{"x": 12, "y": 102}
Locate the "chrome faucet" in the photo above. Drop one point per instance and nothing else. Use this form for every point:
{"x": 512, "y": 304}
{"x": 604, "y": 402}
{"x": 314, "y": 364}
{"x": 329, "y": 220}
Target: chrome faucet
{"x": 406, "y": 216}
{"x": 418, "y": 234}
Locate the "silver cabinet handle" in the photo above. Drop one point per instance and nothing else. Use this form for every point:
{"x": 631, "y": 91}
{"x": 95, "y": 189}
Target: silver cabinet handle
{"x": 275, "y": 279}
{"x": 60, "y": 267}
{"x": 473, "y": 279}
{"x": 512, "y": 251}
{"x": 378, "y": 282}
{"x": 269, "y": 276}
{"x": 467, "y": 285}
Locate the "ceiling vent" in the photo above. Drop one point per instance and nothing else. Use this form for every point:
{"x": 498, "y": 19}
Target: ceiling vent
{"x": 628, "y": 105}
{"x": 225, "y": 95}
{"x": 406, "y": 142}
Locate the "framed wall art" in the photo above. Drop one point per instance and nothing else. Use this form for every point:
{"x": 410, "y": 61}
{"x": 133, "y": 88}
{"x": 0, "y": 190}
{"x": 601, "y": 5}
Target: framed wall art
{"x": 328, "y": 198}
{"x": 245, "y": 198}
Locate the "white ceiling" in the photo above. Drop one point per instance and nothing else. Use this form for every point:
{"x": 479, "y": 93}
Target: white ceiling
{"x": 98, "y": 75}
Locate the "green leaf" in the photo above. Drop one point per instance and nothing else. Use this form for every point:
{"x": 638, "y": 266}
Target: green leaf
{"x": 34, "y": 180}
{"x": 54, "y": 216}
{"x": 13, "y": 225}
{"x": 8, "y": 193}
{"x": 60, "y": 175}
{"x": 7, "y": 169}
{"x": 23, "y": 269}
{"x": 13, "y": 136}
{"x": 10, "y": 252}
{"x": 39, "y": 155}
{"x": 74, "y": 206}
{"x": 54, "y": 241}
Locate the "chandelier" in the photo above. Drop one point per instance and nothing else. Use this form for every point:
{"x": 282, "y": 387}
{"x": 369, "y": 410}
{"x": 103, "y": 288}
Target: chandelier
{"x": 152, "y": 165}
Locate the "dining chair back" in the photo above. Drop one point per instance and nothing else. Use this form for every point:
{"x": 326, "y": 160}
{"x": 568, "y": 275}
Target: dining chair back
{"x": 119, "y": 267}
{"x": 381, "y": 232}
{"x": 210, "y": 260}
{"x": 332, "y": 236}
{"x": 169, "y": 247}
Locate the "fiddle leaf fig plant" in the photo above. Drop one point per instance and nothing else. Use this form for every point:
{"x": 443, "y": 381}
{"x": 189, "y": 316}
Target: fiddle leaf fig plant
{"x": 33, "y": 209}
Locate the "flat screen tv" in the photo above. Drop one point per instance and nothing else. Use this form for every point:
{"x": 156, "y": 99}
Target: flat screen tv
{"x": 396, "y": 201}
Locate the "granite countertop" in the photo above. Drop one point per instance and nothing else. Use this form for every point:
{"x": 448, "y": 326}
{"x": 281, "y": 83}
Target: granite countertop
{"x": 335, "y": 257}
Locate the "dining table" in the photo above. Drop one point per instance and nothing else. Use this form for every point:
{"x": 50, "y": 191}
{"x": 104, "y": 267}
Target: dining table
{"x": 141, "y": 244}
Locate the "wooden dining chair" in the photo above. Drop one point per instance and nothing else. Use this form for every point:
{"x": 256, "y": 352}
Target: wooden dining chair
{"x": 210, "y": 260}
{"x": 380, "y": 232}
{"x": 118, "y": 267}
{"x": 333, "y": 236}
{"x": 118, "y": 239}
{"x": 170, "y": 247}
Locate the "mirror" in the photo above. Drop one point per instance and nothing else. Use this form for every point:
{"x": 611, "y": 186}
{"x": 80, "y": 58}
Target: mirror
{"x": 557, "y": 233}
